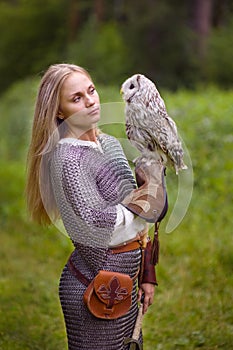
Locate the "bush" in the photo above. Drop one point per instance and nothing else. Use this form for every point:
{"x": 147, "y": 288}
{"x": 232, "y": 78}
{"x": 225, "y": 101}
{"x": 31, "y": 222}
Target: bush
{"x": 16, "y": 110}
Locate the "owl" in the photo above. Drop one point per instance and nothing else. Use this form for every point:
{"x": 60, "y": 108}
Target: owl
{"x": 148, "y": 125}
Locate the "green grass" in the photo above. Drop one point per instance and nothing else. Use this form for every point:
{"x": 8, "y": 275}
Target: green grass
{"x": 31, "y": 261}
{"x": 193, "y": 303}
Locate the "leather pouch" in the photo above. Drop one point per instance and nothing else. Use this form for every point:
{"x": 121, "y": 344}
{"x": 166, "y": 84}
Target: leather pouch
{"x": 109, "y": 295}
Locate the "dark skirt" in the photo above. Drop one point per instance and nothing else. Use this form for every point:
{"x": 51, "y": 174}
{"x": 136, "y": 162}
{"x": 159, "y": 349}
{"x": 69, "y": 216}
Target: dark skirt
{"x": 85, "y": 331}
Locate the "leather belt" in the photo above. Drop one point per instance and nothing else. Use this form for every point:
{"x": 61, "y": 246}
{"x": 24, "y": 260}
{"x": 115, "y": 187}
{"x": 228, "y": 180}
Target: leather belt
{"x": 125, "y": 247}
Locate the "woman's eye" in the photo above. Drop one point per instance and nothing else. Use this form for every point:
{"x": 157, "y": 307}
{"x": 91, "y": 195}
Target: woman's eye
{"x": 92, "y": 90}
{"x": 76, "y": 98}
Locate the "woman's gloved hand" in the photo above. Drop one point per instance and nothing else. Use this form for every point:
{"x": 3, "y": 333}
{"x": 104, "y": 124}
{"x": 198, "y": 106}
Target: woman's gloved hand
{"x": 149, "y": 200}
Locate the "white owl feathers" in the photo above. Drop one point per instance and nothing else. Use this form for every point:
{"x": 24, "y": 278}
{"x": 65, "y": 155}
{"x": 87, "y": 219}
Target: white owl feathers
{"x": 148, "y": 126}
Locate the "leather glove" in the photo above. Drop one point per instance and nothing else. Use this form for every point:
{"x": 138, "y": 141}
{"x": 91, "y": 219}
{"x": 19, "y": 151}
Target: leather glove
{"x": 149, "y": 200}
{"x": 148, "y": 274}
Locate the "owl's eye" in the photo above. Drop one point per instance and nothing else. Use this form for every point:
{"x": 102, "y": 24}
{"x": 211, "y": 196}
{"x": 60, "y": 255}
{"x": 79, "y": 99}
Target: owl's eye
{"x": 131, "y": 86}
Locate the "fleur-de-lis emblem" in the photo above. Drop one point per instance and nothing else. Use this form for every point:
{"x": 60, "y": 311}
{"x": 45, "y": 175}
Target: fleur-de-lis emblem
{"x": 112, "y": 292}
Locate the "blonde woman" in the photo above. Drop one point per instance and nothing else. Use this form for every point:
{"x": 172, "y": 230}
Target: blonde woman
{"x": 82, "y": 176}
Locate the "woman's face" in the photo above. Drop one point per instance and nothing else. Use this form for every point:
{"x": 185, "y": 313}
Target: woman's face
{"x": 79, "y": 99}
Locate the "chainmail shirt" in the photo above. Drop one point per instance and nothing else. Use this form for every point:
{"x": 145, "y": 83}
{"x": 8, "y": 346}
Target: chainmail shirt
{"x": 88, "y": 184}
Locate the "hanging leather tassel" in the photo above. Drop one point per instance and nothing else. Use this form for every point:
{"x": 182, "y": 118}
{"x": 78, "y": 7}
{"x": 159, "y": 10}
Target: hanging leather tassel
{"x": 155, "y": 246}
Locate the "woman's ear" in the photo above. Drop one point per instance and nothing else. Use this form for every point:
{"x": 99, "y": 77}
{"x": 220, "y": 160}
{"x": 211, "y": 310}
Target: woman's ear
{"x": 60, "y": 115}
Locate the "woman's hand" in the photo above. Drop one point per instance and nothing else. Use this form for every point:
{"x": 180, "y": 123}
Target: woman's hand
{"x": 148, "y": 289}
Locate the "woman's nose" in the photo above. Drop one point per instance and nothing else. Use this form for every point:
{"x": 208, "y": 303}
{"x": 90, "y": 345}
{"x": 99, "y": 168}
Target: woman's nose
{"x": 89, "y": 101}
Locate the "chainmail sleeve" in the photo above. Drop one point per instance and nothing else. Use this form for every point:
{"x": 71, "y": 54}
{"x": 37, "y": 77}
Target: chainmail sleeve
{"x": 88, "y": 184}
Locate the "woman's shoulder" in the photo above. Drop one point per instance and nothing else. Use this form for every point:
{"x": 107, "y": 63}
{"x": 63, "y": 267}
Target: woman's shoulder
{"x": 109, "y": 140}
{"x": 66, "y": 151}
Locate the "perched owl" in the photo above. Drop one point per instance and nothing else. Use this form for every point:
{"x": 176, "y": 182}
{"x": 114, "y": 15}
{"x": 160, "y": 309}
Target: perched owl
{"x": 148, "y": 126}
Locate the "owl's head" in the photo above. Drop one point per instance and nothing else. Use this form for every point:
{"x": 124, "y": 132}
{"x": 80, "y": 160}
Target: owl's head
{"x": 134, "y": 87}
{"x": 130, "y": 87}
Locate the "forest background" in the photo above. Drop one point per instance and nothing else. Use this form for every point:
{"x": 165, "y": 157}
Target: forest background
{"x": 186, "y": 48}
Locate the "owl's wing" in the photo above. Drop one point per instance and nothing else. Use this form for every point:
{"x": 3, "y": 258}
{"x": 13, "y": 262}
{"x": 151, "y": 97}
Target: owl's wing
{"x": 150, "y": 117}
{"x": 172, "y": 124}
{"x": 157, "y": 100}
{"x": 157, "y": 104}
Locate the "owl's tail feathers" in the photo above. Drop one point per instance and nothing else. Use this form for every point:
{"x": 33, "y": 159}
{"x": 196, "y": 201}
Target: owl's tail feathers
{"x": 155, "y": 246}
{"x": 180, "y": 167}
{"x": 149, "y": 158}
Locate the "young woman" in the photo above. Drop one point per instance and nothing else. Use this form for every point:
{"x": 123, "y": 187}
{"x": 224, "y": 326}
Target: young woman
{"x": 82, "y": 176}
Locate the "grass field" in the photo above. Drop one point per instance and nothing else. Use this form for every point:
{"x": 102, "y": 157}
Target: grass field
{"x": 193, "y": 303}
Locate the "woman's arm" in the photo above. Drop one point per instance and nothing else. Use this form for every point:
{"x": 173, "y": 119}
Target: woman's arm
{"x": 86, "y": 187}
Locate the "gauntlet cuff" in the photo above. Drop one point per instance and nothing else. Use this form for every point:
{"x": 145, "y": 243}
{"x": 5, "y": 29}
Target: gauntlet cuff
{"x": 148, "y": 274}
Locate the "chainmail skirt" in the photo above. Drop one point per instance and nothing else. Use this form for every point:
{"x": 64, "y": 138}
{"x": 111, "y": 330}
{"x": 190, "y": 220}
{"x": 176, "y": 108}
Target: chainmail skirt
{"x": 85, "y": 331}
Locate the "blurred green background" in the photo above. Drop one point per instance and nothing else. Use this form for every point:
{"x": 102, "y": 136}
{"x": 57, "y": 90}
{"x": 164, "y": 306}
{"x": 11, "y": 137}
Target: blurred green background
{"x": 185, "y": 47}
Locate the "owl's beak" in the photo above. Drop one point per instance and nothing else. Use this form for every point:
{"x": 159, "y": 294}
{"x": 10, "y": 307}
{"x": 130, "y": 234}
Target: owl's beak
{"x": 121, "y": 91}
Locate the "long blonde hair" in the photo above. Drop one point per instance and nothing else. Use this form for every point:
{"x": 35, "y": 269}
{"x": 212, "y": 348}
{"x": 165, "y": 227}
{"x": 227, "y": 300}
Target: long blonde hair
{"x": 44, "y": 137}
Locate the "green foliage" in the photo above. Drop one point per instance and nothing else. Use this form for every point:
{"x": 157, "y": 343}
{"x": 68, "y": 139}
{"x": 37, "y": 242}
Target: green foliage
{"x": 219, "y": 65}
{"x": 11, "y": 192}
{"x": 160, "y": 42}
{"x": 193, "y": 303}
{"x": 30, "y": 317}
{"x": 32, "y": 37}
{"x": 101, "y": 49}
{"x": 114, "y": 40}
{"x": 16, "y": 110}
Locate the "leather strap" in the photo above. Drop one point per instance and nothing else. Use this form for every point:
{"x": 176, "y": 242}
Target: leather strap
{"x": 126, "y": 247}
{"x": 83, "y": 279}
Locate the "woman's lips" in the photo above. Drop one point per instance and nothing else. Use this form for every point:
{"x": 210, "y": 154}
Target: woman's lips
{"x": 94, "y": 110}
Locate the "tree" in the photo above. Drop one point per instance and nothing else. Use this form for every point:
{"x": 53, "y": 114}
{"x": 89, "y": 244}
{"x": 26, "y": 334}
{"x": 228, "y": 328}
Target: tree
{"x": 32, "y": 37}
{"x": 171, "y": 41}
{"x": 201, "y": 23}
